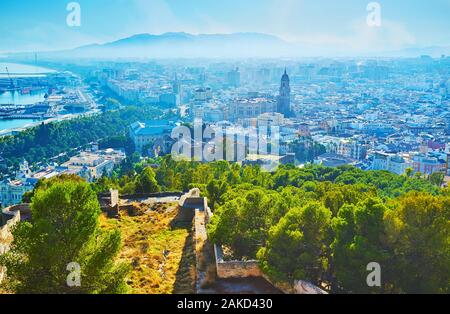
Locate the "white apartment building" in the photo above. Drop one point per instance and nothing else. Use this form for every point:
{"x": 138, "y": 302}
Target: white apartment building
{"x": 347, "y": 147}
{"x": 93, "y": 165}
{"x": 12, "y": 190}
{"x": 391, "y": 162}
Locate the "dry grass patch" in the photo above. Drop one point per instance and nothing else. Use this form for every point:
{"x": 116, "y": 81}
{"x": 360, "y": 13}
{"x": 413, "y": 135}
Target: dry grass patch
{"x": 159, "y": 249}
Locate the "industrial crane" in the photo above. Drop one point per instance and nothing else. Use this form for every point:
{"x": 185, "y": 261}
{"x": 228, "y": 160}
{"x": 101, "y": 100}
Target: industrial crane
{"x": 10, "y": 79}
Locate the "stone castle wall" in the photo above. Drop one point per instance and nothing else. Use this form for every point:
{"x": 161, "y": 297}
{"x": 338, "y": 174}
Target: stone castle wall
{"x": 10, "y": 216}
{"x": 235, "y": 269}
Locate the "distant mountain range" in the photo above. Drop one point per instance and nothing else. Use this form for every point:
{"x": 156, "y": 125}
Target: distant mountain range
{"x": 183, "y": 45}
{"x": 237, "y": 45}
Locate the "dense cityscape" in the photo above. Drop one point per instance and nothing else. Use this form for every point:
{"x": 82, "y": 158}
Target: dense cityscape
{"x": 124, "y": 174}
{"x": 373, "y": 114}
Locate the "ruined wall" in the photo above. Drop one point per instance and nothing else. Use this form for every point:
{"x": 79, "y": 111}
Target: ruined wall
{"x": 9, "y": 217}
{"x": 235, "y": 269}
{"x": 194, "y": 193}
{"x": 191, "y": 202}
{"x": 194, "y": 202}
{"x": 114, "y": 201}
{"x": 208, "y": 212}
{"x": 149, "y": 195}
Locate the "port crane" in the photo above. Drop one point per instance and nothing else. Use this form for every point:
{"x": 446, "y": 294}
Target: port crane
{"x": 11, "y": 82}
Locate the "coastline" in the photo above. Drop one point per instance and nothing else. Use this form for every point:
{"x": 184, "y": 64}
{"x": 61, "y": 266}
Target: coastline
{"x": 13, "y": 131}
{"x": 17, "y": 70}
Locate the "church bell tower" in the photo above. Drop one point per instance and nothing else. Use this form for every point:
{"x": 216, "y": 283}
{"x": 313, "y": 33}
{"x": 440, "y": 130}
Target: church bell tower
{"x": 284, "y": 99}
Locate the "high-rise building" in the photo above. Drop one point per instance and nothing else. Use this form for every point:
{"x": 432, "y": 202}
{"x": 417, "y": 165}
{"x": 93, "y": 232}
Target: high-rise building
{"x": 284, "y": 99}
{"x": 177, "y": 87}
{"x": 442, "y": 89}
{"x": 234, "y": 78}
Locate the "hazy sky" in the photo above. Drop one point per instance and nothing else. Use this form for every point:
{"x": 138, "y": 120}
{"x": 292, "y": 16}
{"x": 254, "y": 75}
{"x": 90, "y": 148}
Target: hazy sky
{"x": 29, "y": 25}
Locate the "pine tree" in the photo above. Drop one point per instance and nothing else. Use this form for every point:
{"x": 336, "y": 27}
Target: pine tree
{"x": 64, "y": 234}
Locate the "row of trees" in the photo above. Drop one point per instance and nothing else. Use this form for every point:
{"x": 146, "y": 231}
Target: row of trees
{"x": 182, "y": 175}
{"x": 214, "y": 179}
{"x": 306, "y": 149}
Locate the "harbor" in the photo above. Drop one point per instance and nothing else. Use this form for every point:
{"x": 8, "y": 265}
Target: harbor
{"x": 30, "y": 95}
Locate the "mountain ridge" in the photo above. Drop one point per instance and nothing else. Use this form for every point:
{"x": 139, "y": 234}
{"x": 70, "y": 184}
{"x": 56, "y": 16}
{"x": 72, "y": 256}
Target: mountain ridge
{"x": 180, "y": 44}
{"x": 219, "y": 45}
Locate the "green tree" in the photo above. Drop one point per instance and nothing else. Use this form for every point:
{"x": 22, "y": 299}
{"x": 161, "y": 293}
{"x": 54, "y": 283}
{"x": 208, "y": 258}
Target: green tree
{"x": 46, "y": 183}
{"x": 222, "y": 226}
{"x": 65, "y": 229}
{"x": 202, "y": 174}
{"x": 409, "y": 172}
{"x": 253, "y": 223}
{"x": 165, "y": 173}
{"x": 215, "y": 190}
{"x": 104, "y": 184}
{"x": 297, "y": 246}
{"x": 146, "y": 182}
{"x": 333, "y": 200}
{"x": 247, "y": 221}
{"x": 418, "y": 230}
{"x": 306, "y": 149}
{"x": 360, "y": 239}
{"x": 437, "y": 178}
{"x": 281, "y": 178}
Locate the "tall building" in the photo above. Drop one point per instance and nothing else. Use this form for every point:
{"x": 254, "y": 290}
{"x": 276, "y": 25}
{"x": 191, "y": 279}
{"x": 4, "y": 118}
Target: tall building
{"x": 177, "y": 87}
{"x": 203, "y": 94}
{"x": 234, "y": 78}
{"x": 284, "y": 99}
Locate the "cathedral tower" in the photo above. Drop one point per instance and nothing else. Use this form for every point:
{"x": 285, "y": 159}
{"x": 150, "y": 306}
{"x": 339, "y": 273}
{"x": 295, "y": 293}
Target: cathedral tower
{"x": 284, "y": 99}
